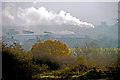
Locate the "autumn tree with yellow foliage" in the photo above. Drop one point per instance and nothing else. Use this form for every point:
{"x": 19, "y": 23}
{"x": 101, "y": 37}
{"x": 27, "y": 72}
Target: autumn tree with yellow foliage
{"x": 55, "y": 48}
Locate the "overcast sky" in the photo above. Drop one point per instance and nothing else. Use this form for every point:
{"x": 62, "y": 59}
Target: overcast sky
{"x": 94, "y": 12}
{"x": 26, "y": 15}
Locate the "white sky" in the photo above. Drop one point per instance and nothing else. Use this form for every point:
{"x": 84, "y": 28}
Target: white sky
{"x": 60, "y": 0}
{"x": 90, "y": 12}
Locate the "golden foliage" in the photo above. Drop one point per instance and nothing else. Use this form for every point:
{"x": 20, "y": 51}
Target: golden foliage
{"x": 55, "y": 48}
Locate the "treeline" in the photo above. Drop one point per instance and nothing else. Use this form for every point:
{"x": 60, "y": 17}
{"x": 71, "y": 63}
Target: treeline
{"x": 101, "y": 57}
{"x": 53, "y": 59}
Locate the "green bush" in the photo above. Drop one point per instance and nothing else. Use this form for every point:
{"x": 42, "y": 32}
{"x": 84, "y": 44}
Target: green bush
{"x": 16, "y": 64}
{"x": 53, "y": 65}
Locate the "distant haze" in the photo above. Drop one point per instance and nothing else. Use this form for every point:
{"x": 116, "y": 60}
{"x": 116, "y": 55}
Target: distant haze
{"x": 62, "y": 18}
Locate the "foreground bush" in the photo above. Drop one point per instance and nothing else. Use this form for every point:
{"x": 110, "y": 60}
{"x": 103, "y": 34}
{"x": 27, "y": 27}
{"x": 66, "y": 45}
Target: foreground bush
{"x": 16, "y": 65}
{"x": 52, "y": 65}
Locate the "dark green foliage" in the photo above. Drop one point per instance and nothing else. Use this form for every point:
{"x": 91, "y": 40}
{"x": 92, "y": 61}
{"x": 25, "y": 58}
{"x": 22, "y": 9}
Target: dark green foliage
{"x": 48, "y": 61}
{"x": 92, "y": 74}
{"x": 20, "y": 65}
{"x": 113, "y": 73}
{"x": 14, "y": 68}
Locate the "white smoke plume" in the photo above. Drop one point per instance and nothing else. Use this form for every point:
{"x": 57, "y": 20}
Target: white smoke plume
{"x": 41, "y": 16}
{"x": 39, "y": 19}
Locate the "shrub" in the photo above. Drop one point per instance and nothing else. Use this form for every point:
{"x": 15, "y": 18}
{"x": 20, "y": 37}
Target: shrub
{"x": 52, "y": 64}
{"x": 16, "y": 64}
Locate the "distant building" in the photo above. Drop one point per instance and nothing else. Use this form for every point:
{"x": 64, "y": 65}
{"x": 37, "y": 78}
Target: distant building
{"x": 27, "y": 32}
